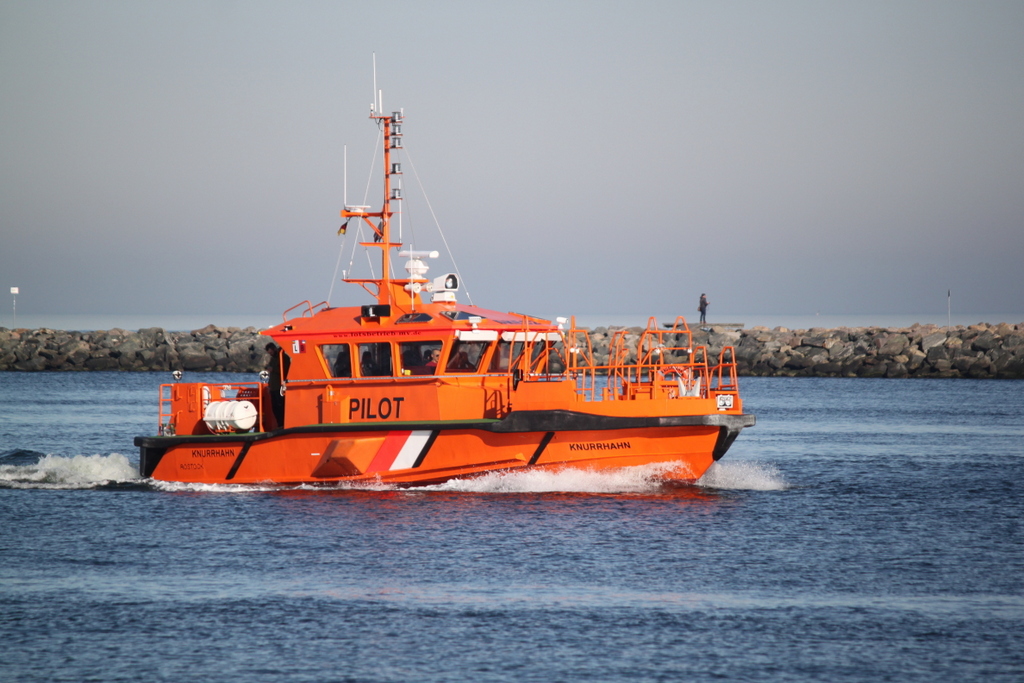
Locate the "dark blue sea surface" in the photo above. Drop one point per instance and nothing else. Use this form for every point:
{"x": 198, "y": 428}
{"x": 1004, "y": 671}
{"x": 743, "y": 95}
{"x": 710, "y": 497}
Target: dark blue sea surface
{"x": 864, "y": 530}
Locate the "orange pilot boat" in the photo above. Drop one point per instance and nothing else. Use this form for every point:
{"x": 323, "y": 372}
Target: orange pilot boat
{"x": 417, "y": 388}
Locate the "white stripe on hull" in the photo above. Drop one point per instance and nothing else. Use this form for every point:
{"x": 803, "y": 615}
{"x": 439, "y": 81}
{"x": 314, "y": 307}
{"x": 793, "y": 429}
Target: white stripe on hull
{"x": 406, "y": 457}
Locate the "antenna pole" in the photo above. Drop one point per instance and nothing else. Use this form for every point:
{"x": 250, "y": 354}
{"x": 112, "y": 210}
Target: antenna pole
{"x": 387, "y": 290}
{"x": 344, "y": 164}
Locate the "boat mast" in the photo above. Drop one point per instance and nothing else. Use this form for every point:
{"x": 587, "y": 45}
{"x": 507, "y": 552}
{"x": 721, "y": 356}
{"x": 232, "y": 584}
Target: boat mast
{"x": 388, "y": 291}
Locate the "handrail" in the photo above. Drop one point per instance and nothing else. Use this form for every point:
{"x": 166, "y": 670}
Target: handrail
{"x": 727, "y": 367}
{"x": 658, "y": 363}
{"x": 164, "y": 410}
{"x": 311, "y": 309}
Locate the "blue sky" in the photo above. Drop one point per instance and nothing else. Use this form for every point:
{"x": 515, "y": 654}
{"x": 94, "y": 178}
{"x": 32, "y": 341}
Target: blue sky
{"x": 787, "y": 158}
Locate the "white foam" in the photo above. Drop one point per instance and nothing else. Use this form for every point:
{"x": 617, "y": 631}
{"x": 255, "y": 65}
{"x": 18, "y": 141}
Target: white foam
{"x": 641, "y": 479}
{"x": 750, "y": 476}
{"x": 77, "y": 472}
{"x": 195, "y": 487}
{"x": 80, "y": 471}
{"x": 192, "y": 487}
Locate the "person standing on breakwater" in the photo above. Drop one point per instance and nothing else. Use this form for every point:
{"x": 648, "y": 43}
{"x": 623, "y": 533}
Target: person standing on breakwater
{"x": 703, "y": 307}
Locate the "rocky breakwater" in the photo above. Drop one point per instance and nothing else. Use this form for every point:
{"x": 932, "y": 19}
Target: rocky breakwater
{"x": 212, "y": 349}
{"x": 977, "y": 351}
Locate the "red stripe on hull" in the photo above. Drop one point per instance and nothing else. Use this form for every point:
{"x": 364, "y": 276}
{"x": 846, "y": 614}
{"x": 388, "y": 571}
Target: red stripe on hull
{"x": 388, "y": 451}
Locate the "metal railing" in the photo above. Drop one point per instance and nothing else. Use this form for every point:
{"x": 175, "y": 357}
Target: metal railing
{"x": 311, "y": 309}
{"x": 658, "y": 363}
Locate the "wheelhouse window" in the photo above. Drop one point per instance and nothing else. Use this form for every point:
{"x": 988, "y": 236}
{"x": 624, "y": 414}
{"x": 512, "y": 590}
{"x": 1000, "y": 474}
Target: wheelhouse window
{"x": 375, "y": 359}
{"x": 419, "y": 357}
{"x": 338, "y": 358}
{"x": 501, "y": 358}
{"x": 465, "y": 356}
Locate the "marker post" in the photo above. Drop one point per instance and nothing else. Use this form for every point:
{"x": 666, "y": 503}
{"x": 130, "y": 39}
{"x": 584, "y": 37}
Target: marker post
{"x": 14, "y": 304}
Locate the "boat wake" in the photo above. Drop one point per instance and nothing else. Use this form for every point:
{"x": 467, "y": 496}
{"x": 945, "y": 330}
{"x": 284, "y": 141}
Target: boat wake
{"x": 196, "y": 487}
{"x": 644, "y": 479}
{"x": 748, "y": 476}
{"x": 641, "y": 479}
{"x": 22, "y": 469}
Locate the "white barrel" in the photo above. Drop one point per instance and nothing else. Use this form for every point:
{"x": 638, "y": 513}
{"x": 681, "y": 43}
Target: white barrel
{"x": 230, "y": 416}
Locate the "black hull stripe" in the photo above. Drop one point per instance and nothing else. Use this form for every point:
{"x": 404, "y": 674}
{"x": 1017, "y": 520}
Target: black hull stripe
{"x": 154, "y": 447}
{"x": 426, "y": 448}
{"x": 540, "y": 448}
{"x": 518, "y": 422}
{"x": 238, "y": 461}
{"x": 149, "y": 458}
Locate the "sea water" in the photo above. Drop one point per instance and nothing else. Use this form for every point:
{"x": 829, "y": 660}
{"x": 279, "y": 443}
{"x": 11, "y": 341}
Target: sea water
{"x": 864, "y": 530}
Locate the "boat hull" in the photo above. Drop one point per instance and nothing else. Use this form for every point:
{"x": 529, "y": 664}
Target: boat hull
{"x": 434, "y": 452}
